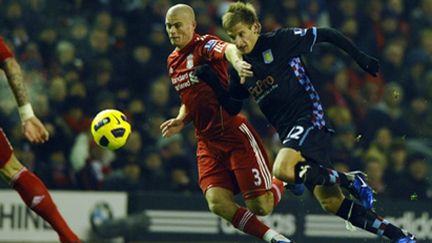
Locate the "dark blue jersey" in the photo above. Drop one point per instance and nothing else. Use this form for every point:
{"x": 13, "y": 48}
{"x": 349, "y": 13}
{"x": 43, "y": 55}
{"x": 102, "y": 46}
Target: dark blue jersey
{"x": 281, "y": 85}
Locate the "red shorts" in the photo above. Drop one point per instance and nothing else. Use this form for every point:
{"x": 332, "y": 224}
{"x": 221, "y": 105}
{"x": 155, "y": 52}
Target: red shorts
{"x": 236, "y": 161}
{"x": 5, "y": 149}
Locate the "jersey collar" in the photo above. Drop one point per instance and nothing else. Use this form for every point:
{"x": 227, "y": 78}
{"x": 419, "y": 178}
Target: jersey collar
{"x": 190, "y": 44}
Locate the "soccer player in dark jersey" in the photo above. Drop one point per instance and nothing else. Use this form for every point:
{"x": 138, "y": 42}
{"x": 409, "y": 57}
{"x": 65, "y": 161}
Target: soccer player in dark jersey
{"x": 231, "y": 157}
{"x": 285, "y": 94}
{"x": 31, "y": 189}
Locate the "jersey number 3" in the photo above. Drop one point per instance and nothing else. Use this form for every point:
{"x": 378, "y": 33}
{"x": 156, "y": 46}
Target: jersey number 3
{"x": 257, "y": 177}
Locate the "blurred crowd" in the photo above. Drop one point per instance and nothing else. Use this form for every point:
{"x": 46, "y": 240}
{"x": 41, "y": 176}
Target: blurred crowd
{"x": 80, "y": 57}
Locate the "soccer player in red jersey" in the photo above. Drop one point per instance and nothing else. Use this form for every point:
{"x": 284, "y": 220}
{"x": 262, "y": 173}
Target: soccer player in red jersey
{"x": 31, "y": 189}
{"x": 231, "y": 157}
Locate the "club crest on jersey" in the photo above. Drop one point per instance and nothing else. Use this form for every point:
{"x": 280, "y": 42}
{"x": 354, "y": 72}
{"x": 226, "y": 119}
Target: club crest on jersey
{"x": 189, "y": 61}
{"x": 268, "y": 56}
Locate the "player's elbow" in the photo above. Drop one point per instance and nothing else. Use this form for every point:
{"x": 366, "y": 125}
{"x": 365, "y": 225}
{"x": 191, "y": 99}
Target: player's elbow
{"x": 325, "y": 34}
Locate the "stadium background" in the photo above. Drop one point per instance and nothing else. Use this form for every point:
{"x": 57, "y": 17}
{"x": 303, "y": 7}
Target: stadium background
{"x": 80, "y": 57}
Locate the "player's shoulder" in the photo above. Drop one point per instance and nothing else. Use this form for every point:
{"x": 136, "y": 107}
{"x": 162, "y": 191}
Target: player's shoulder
{"x": 211, "y": 42}
{"x": 207, "y": 37}
{"x": 275, "y": 34}
{"x": 172, "y": 55}
{"x": 289, "y": 31}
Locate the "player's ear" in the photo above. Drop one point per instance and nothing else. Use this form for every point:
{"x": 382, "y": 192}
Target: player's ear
{"x": 256, "y": 28}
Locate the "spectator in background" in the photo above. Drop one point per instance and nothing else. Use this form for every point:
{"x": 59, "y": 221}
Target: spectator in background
{"x": 421, "y": 16}
{"x": 419, "y": 120}
{"x": 381, "y": 143}
{"x": 396, "y": 158}
{"x": 393, "y": 60}
{"x": 414, "y": 76}
{"x": 375, "y": 165}
{"x": 154, "y": 174}
{"x": 346, "y": 148}
{"x": 178, "y": 164}
{"x": 413, "y": 185}
{"x": 388, "y": 113}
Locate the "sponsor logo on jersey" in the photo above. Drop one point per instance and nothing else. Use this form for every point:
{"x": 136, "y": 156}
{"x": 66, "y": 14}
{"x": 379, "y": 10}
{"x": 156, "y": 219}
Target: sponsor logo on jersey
{"x": 262, "y": 88}
{"x": 214, "y": 45}
{"x": 210, "y": 45}
{"x": 268, "y": 56}
{"x": 184, "y": 80}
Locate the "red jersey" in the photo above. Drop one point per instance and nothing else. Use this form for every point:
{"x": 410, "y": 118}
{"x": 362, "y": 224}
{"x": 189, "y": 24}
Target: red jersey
{"x": 202, "y": 106}
{"x": 5, "y": 52}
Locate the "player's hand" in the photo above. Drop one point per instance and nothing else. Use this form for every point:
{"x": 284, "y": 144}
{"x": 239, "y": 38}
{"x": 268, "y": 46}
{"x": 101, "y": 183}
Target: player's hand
{"x": 171, "y": 127}
{"x": 244, "y": 70}
{"x": 35, "y": 131}
{"x": 369, "y": 64}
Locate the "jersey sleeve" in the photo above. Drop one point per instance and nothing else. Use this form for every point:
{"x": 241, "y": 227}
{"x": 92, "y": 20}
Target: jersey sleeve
{"x": 298, "y": 41}
{"x": 213, "y": 48}
{"x": 5, "y": 52}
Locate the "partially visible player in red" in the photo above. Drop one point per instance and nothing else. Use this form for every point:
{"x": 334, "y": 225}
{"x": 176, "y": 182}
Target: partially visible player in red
{"x": 31, "y": 189}
{"x": 231, "y": 157}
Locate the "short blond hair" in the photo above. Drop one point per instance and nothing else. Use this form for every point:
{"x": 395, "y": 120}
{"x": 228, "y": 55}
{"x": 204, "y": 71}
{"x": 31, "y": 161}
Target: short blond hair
{"x": 239, "y": 12}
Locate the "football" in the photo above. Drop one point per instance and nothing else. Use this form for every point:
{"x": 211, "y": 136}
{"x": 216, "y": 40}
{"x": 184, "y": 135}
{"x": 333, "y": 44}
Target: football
{"x": 110, "y": 129}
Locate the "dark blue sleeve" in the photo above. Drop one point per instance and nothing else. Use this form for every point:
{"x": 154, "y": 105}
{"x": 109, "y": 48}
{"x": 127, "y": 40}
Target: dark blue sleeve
{"x": 297, "y": 41}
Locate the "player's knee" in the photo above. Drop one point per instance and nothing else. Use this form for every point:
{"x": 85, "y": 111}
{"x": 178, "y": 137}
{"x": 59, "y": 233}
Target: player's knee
{"x": 11, "y": 168}
{"x": 261, "y": 205}
{"x": 284, "y": 165}
{"x": 284, "y": 171}
{"x": 331, "y": 204}
{"x": 218, "y": 207}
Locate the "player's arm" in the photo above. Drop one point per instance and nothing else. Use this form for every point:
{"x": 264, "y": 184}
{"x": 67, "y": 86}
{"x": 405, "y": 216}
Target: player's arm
{"x": 175, "y": 125}
{"x": 368, "y": 63}
{"x": 183, "y": 115}
{"x": 33, "y": 128}
{"x": 233, "y": 55}
{"x": 230, "y": 104}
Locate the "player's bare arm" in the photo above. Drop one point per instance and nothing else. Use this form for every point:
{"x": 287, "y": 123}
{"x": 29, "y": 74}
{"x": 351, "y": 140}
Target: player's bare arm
{"x": 33, "y": 128}
{"x": 175, "y": 125}
{"x": 243, "y": 68}
{"x": 15, "y": 79}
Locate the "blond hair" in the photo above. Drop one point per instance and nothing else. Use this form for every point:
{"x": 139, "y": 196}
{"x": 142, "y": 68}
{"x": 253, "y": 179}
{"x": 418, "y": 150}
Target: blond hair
{"x": 239, "y": 12}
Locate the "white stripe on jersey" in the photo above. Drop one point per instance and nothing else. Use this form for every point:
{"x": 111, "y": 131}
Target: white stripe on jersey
{"x": 259, "y": 156}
